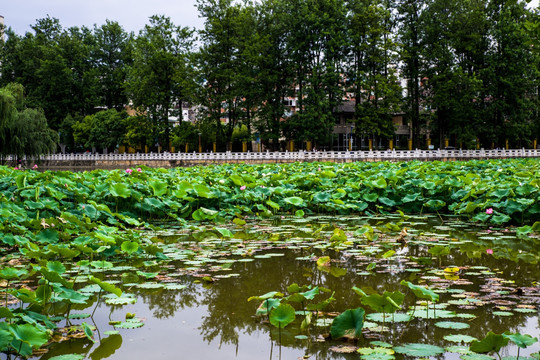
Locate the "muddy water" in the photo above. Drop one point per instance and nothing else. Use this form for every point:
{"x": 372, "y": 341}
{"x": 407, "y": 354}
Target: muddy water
{"x": 213, "y": 319}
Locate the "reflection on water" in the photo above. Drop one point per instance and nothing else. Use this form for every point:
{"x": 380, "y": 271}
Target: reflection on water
{"x": 214, "y": 319}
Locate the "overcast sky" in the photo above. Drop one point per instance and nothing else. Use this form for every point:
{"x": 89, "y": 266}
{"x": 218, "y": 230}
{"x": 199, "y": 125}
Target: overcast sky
{"x": 131, "y": 14}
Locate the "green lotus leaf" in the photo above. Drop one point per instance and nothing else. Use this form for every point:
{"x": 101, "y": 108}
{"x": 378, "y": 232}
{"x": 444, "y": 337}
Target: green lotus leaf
{"x": 203, "y": 191}
{"x": 88, "y": 331}
{"x": 377, "y": 356}
{"x": 101, "y": 264}
{"x": 268, "y": 295}
{"x": 159, "y": 187}
{"x": 130, "y": 324}
{"x": 29, "y": 334}
{"x": 370, "y": 197}
{"x": 226, "y": 233}
{"x": 350, "y": 320}
{"x": 435, "y": 204}
{"x": 123, "y": 300}
{"x": 419, "y": 350}
{"x": 6, "y": 338}
{"x": 120, "y": 190}
{"x": 520, "y": 340}
{"x": 267, "y": 305}
{"x": 388, "y": 317}
{"x": 452, "y": 325}
{"x": 129, "y": 247}
{"x": 460, "y": 338}
{"x": 48, "y": 236}
{"x": 491, "y": 343}
{"x": 10, "y": 273}
{"x": 421, "y": 292}
{"x": 56, "y": 266}
{"x": 108, "y": 287}
{"x": 294, "y": 200}
{"x": 282, "y": 315}
{"x": 476, "y": 357}
{"x": 67, "y": 357}
{"x": 375, "y": 350}
{"x": 273, "y": 205}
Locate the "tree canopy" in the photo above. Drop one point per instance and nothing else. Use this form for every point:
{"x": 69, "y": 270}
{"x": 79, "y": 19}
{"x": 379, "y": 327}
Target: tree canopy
{"x": 459, "y": 70}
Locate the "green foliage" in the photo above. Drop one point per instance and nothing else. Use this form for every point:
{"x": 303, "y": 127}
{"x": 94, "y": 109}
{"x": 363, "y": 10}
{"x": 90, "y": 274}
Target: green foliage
{"x": 104, "y": 129}
{"x": 351, "y": 319}
{"x": 282, "y": 315}
{"x": 490, "y": 343}
{"x": 23, "y": 131}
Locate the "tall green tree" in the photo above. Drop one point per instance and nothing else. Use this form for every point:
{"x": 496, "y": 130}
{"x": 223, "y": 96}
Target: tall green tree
{"x": 112, "y": 56}
{"x": 510, "y": 77}
{"x": 453, "y": 32}
{"x": 219, "y": 60}
{"x": 409, "y": 13}
{"x": 316, "y": 46}
{"x": 276, "y": 73}
{"x": 158, "y": 80}
{"x": 372, "y": 76}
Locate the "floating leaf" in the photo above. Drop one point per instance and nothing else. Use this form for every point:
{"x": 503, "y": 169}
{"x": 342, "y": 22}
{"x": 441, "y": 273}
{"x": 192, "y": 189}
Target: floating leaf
{"x": 459, "y": 338}
{"x": 419, "y": 350}
{"x": 452, "y": 325}
{"x": 67, "y": 357}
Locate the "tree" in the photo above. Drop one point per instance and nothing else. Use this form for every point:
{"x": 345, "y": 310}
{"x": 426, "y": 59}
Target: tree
{"x": 104, "y": 129}
{"x": 276, "y": 81}
{"x": 509, "y": 77}
{"x": 54, "y": 66}
{"x": 410, "y": 36}
{"x": 159, "y": 77}
{"x": 372, "y": 76}
{"x": 219, "y": 62}
{"x": 23, "y": 131}
{"x": 454, "y": 32}
{"x": 316, "y": 46}
{"x": 112, "y": 56}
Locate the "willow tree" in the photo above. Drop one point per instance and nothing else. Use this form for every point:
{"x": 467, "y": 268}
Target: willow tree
{"x": 23, "y": 131}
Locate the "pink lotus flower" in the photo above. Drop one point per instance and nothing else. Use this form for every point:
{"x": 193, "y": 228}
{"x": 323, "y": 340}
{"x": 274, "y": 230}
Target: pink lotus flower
{"x": 35, "y": 166}
{"x": 489, "y": 251}
{"x": 243, "y": 187}
{"x": 489, "y": 211}
{"x": 15, "y": 168}
{"x": 129, "y": 171}
{"x": 139, "y": 169}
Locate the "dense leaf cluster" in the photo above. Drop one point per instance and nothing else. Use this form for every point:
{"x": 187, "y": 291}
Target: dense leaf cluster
{"x": 497, "y": 191}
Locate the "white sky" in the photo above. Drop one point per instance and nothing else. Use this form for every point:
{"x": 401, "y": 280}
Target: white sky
{"x": 131, "y": 14}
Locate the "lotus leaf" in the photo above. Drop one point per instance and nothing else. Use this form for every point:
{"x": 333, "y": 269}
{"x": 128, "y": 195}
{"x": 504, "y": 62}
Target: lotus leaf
{"x": 419, "y": 350}
{"x": 282, "y": 315}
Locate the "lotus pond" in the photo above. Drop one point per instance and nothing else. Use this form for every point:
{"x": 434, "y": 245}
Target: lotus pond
{"x": 243, "y": 262}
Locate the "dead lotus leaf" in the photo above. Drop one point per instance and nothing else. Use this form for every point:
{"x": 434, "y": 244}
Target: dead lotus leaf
{"x": 343, "y": 349}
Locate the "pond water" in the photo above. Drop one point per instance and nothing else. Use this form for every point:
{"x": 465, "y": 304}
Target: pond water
{"x": 197, "y": 306}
